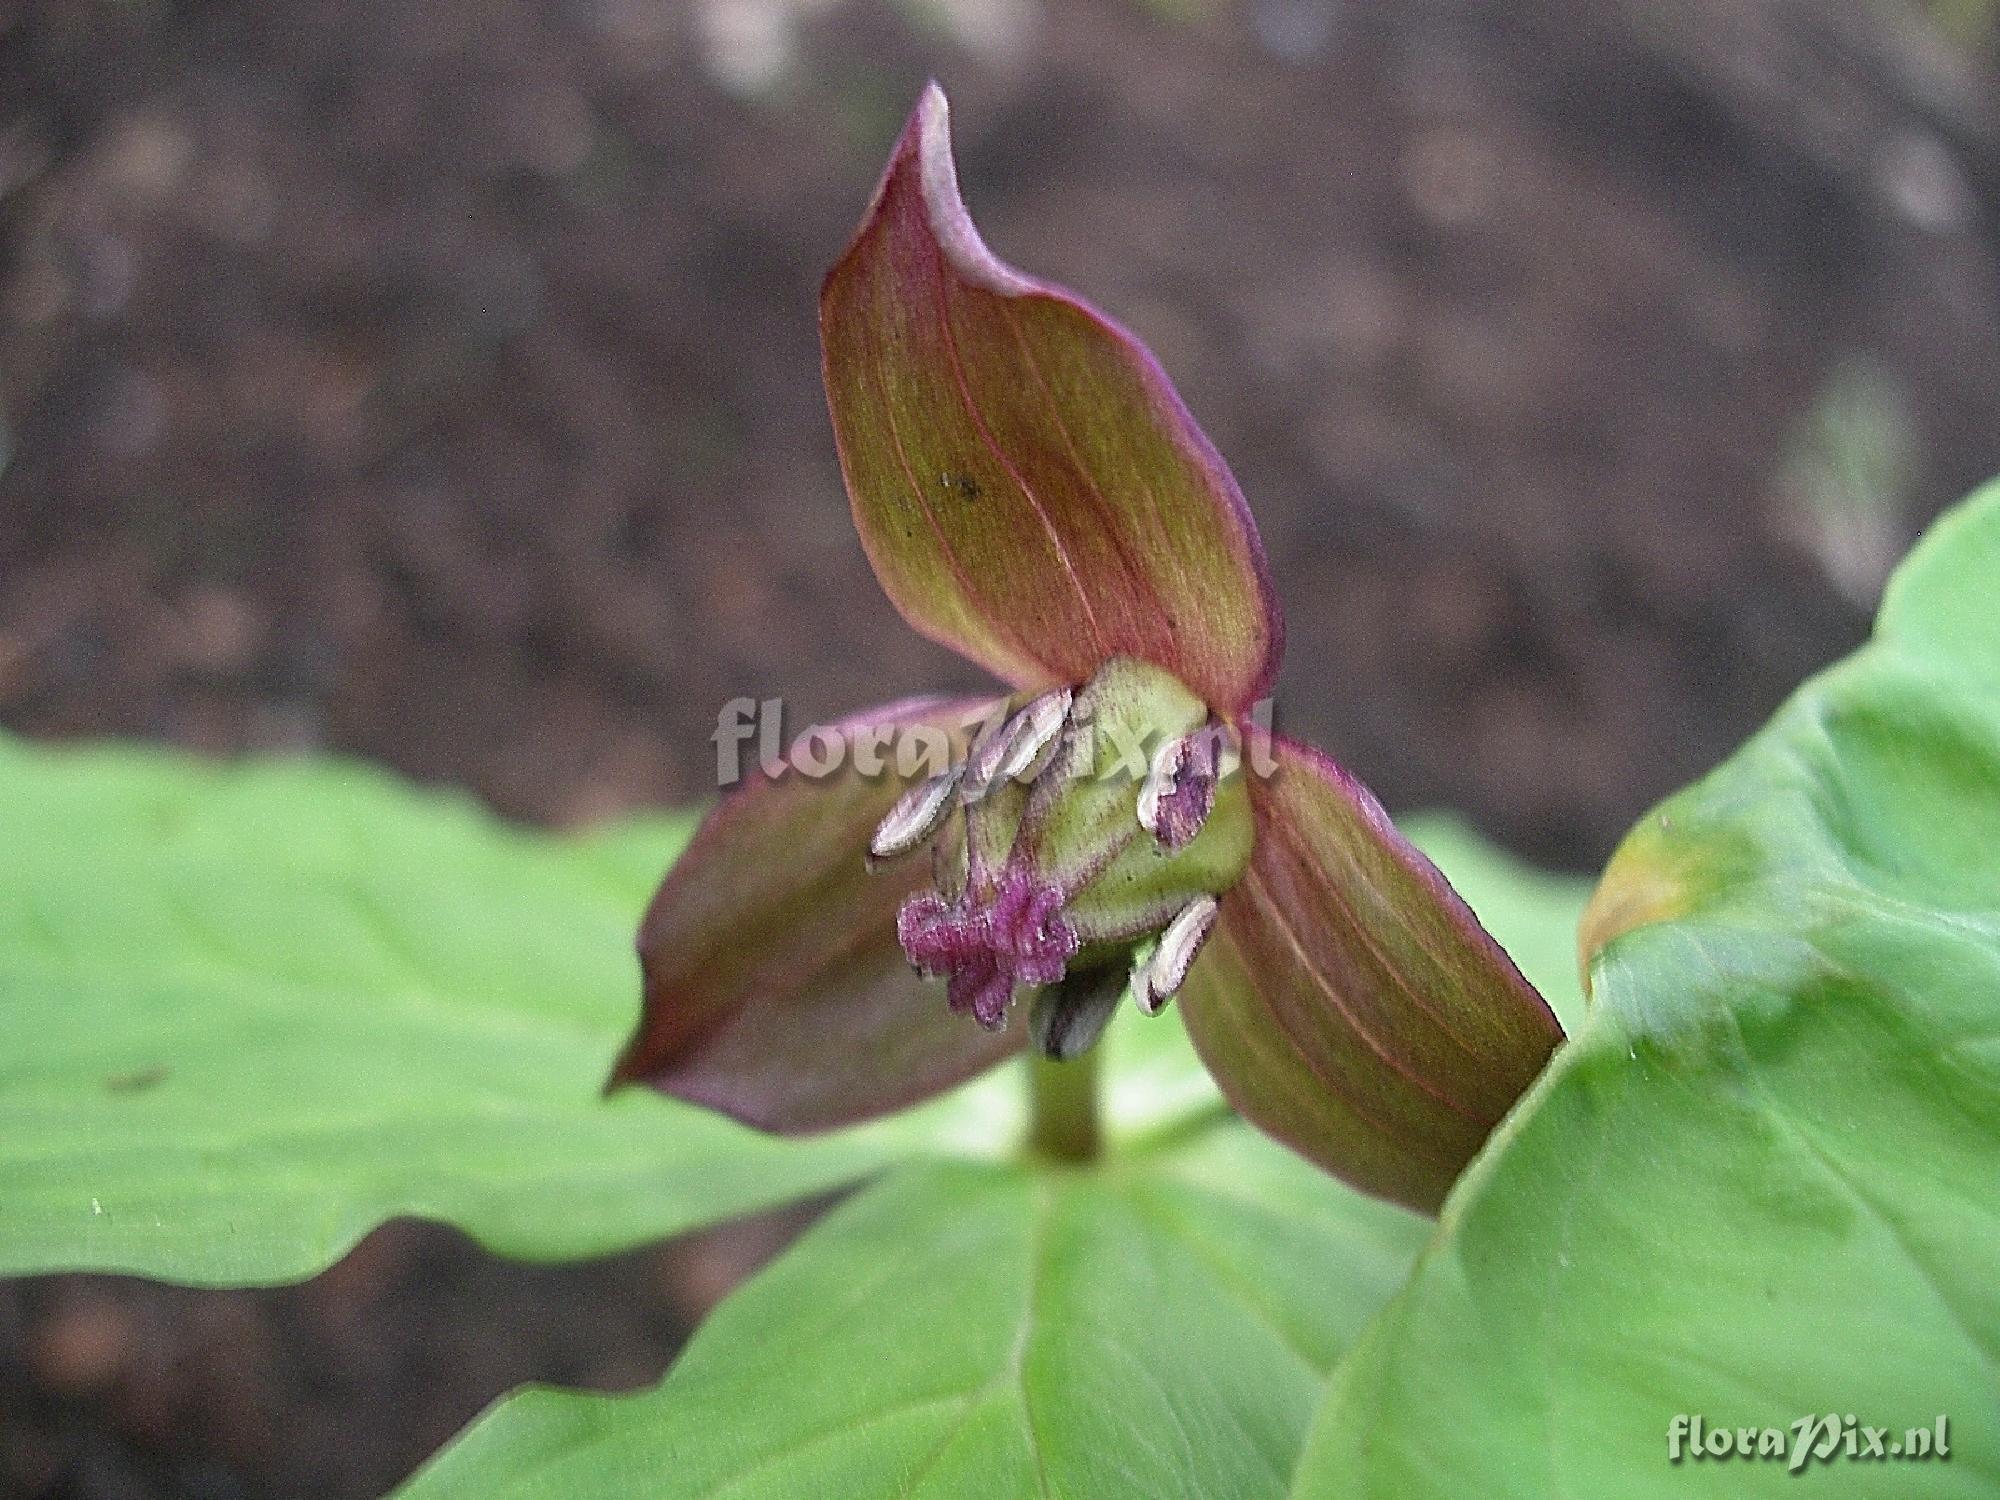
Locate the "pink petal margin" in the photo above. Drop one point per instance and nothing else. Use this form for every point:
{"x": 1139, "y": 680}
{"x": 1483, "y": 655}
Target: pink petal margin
{"x": 1350, "y": 1004}
{"x": 774, "y": 987}
{"x": 1026, "y": 482}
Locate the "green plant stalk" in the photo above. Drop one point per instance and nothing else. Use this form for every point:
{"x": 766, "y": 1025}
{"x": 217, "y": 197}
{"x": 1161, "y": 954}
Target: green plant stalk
{"x": 1063, "y": 1121}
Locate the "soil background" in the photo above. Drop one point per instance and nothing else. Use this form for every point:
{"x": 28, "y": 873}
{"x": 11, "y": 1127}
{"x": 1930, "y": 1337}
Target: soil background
{"x": 437, "y": 383}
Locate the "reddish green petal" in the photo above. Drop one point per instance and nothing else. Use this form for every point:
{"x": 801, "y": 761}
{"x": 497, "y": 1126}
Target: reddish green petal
{"x": 1348, "y": 1001}
{"x": 775, "y": 990}
{"x": 1027, "y": 484}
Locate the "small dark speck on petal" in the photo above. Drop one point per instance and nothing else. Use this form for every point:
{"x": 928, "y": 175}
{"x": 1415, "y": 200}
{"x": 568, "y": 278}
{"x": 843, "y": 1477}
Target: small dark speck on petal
{"x": 138, "y": 1080}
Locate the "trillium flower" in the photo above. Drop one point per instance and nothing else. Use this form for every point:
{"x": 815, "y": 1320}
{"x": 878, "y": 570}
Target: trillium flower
{"x": 1120, "y": 828}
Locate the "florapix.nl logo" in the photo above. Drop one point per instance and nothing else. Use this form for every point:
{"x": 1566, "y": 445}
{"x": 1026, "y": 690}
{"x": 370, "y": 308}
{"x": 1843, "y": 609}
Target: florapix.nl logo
{"x": 912, "y": 740}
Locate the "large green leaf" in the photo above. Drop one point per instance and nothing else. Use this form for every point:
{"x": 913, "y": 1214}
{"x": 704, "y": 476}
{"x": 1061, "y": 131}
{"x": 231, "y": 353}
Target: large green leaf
{"x": 1764, "y": 1180}
{"x": 1159, "y": 1328}
{"x": 247, "y": 1014}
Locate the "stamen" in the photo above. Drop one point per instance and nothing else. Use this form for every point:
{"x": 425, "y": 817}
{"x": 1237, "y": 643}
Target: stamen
{"x": 1156, "y": 981}
{"x": 1067, "y": 1019}
{"x": 1016, "y": 751}
{"x": 916, "y": 815}
{"x": 1179, "y": 790}
{"x": 1045, "y": 718}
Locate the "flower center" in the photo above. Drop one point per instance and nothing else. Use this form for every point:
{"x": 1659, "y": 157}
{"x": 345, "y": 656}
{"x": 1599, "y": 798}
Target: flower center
{"x": 1084, "y": 835}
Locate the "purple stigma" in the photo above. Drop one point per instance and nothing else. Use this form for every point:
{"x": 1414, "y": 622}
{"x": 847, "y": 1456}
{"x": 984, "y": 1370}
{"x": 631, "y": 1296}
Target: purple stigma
{"x": 987, "y": 948}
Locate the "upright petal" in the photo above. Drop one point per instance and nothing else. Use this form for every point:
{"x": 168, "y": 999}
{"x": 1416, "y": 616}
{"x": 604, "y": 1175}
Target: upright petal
{"x": 1027, "y": 484}
{"x": 775, "y": 990}
{"x": 1350, "y": 1004}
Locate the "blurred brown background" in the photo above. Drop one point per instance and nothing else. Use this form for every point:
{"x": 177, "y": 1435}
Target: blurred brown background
{"x": 437, "y": 382}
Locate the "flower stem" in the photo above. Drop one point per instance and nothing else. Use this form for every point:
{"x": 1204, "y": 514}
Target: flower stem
{"x": 1062, "y": 1108}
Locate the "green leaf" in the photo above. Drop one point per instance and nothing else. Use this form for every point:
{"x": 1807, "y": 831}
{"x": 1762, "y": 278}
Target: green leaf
{"x": 1760, "y": 1184}
{"x": 247, "y": 1014}
{"x": 1156, "y": 1329}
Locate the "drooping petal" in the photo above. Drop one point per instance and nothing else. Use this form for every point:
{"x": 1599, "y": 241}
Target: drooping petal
{"x": 1349, "y": 1003}
{"x": 775, "y": 989}
{"x": 1027, "y": 484}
